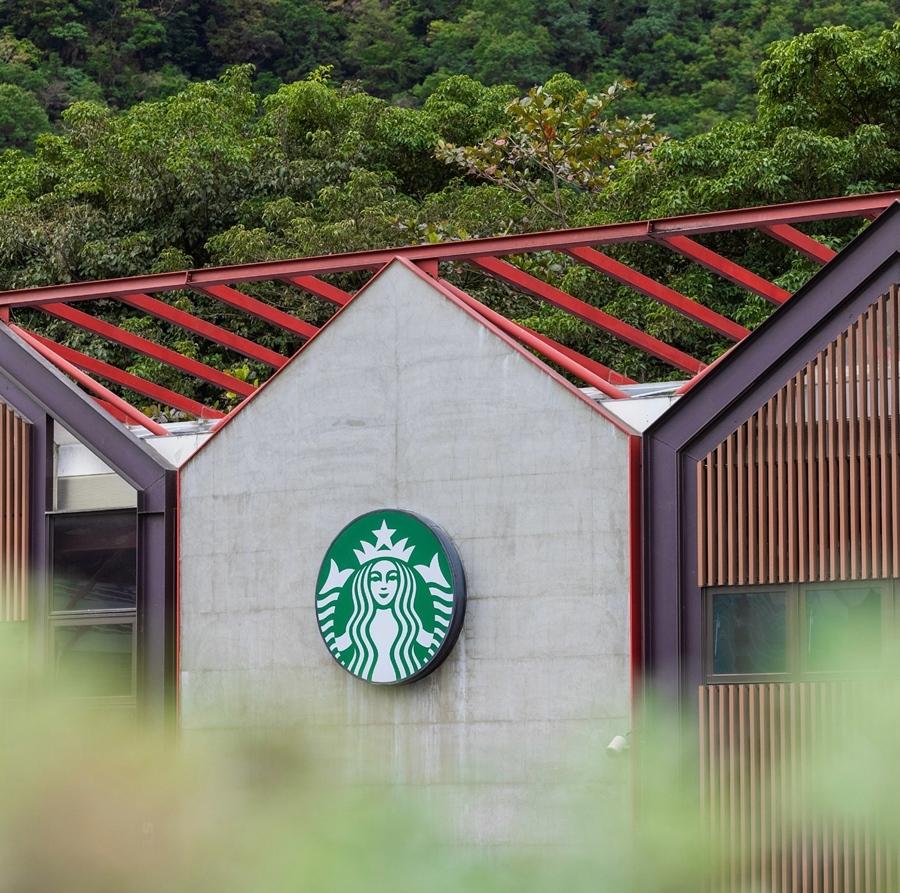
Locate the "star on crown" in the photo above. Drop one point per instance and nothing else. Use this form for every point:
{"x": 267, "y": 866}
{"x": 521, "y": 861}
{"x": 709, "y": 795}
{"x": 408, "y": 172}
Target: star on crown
{"x": 383, "y": 547}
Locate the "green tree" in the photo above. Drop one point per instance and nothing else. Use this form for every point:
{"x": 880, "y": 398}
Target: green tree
{"x": 834, "y": 81}
{"x": 559, "y": 138}
{"x": 380, "y": 49}
{"x": 21, "y": 117}
{"x": 216, "y": 174}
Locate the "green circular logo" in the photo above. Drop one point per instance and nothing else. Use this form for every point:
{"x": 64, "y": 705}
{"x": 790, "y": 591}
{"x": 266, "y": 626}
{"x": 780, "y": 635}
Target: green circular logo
{"x": 391, "y": 597}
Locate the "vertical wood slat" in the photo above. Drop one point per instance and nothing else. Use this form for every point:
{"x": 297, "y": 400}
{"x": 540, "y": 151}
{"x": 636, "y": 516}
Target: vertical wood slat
{"x": 835, "y": 360}
{"x": 791, "y": 476}
{"x": 894, "y": 403}
{"x": 872, "y": 366}
{"x": 730, "y": 472}
{"x": 753, "y": 545}
{"x": 761, "y": 497}
{"x": 702, "y": 534}
{"x": 812, "y": 431}
{"x": 781, "y": 516}
{"x": 14, "y": 515}
{"x": 757, "y": 744}
{"x": 823, "y": 469}
{"x": 740, "y": 437}
{"x": 884, "y": 495}
{"x": 862, "y": 333}
{"x": 841, "y": 525}
{"x": 721, "y": 520}
{"x": 853, "y": 450}
{"x": 808, "y": 488}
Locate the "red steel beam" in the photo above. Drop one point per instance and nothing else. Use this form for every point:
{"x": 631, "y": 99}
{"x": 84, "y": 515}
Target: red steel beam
{"x": 540, "y": 345}
{"x": 801, "y": 242}
{"x": 97, "y": 389}
{"x": 677, "y": 301}
{"x": 149, "y": 348}
{"x": 207, "y": 329}
{"x": 726, "y": 268}
{"x": 321, "y": 289}
{"x": 532, "y": 285}
{"x": 691, "y": 382}
{"x": 636, "y": 231}
{"x": 128, "y": 380}
{"x": 598, "y": 368}
{"x": 118, "y": 415}
{"x": 261, "y": 310}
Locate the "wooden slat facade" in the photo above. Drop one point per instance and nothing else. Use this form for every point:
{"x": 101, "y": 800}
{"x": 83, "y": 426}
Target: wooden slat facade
{"x": 15, "y": 443}
{"x": 758, "y": 742}
{"x": 808, "y": 488}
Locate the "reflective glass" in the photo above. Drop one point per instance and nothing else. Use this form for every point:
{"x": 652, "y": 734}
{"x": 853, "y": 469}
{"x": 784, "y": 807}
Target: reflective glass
{"x": 749, "y": 631}
{"x": 94, "y": 561}
{"x": 843, "y": 628}
{"x": 95, "y": 659}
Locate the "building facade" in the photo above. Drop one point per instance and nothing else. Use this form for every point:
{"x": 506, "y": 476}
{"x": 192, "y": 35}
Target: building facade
{"x": 419, "y": 496}
{"x": 433, "y": 411}
{"x": 772, "y": 553}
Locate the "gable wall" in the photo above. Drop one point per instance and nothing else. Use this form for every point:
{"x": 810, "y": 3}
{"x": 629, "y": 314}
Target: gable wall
{"x": 406, "y": 401}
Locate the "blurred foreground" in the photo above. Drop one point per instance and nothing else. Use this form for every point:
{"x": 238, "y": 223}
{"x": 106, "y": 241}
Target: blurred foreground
{"x": 92, "y": 803}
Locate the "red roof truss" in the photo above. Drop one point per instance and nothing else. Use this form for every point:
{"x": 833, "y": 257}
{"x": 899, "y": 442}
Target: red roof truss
{"x": 486, "y": 255}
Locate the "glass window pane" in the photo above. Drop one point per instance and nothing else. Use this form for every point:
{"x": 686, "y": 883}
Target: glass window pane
{"x": 94, "y": 561}
{"x": 95, "y": 659}
{"x": 843, "y": 628}
{"x": 749, "y": 632}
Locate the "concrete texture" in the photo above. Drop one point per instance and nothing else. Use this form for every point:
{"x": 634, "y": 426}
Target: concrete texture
{"x": 407, "y": 401}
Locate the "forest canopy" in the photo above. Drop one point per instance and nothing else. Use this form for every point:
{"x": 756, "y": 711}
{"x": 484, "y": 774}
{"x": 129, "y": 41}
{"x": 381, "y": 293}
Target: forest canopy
{"x": 240, "y": 167}
{"x": 693, "y": 61}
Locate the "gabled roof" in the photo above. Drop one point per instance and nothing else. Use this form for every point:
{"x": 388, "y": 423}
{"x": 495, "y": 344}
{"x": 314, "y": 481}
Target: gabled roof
{"x": 486, "y": 256}
{"x": 445, "y": 291}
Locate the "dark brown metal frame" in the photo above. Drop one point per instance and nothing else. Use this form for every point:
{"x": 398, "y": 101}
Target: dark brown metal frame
{"x": 720, "y": 402}
{"x": 95, "y": 616}
{"x": 45, "y": 397}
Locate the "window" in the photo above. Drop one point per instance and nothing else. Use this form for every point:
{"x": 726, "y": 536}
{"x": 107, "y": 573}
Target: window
{"x": 797, "y": 631}
{"x": 749, "y": 632}
{"x": 95, "y": 659}
{"x": 93, "y": 610}
{"x": 842, "y": 628}
{"x": 94, "y": 561}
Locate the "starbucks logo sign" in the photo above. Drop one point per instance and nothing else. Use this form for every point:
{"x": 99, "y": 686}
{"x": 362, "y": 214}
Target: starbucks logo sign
{"x": 390, "y": 597}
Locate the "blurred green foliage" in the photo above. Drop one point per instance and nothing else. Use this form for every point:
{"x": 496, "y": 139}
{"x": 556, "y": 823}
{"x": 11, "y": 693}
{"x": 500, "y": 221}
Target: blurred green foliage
{"x": 120, "y": 809}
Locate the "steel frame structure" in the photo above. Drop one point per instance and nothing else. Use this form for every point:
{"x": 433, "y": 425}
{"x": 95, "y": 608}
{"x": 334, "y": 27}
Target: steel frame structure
{"x": 488, "y": 256}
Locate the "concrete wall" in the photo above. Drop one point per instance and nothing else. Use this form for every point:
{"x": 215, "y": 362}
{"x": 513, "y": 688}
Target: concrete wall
{"x": 407, "y": 401}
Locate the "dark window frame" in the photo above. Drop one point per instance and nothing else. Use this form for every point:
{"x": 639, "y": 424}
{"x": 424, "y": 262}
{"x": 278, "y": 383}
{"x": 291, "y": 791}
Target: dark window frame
{"x": 51, "y": 553}
{"x": 94, "y": 616}
{"x": 795, "y": 594}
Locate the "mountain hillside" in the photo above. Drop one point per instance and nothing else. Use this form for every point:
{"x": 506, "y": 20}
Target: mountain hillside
{"x": 693, "y": 60}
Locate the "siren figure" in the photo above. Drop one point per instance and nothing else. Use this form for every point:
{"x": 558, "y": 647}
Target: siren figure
{"x": 384, "y": 624}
